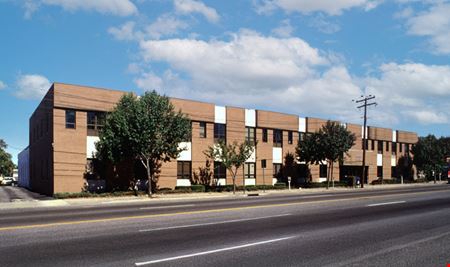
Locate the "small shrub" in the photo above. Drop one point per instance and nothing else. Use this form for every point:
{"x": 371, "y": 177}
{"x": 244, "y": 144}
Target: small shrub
{"x": 279, "y": 186}
{"x": 198, "y": 188}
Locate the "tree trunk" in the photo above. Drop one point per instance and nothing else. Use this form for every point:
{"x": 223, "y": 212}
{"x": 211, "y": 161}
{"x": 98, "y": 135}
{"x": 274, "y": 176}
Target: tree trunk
{"x": 332, "y": 178}
{"x": 328, "y": 175}
{"x": 149, "y": 178}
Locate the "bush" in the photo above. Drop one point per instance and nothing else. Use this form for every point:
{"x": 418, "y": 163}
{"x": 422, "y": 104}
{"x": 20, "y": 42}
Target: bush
{"x": 279, "y": 186}
{"x": 324, "y": 184}
{"x": 198, "y": 188}
{"x": 385, "y": 181}
{"x": 88, "y": 194}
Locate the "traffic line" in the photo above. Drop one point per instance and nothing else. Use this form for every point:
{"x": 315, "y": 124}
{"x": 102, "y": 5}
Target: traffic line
{"x": 163, "y": 207}
{"x": 213, "y": 223}
{"x": 46, "y": 225}
{"x": 385, "y": 203}
{"x": 214, "y": 251}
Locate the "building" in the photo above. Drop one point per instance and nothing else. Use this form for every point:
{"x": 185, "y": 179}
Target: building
{"x": 65, "y": 125}
{"x": 24, "y": 168}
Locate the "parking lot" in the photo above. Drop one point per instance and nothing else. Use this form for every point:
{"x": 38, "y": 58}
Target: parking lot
{"x": 14, "y": 193}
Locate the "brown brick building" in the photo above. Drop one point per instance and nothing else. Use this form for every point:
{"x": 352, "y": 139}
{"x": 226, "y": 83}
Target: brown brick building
{"x": 64, "y": 129}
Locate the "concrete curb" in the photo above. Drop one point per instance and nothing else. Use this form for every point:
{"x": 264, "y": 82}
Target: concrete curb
{"x": 192, "y": 196}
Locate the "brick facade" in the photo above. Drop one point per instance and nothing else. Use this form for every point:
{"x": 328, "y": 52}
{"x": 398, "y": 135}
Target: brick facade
{"x": 58, "y": 155}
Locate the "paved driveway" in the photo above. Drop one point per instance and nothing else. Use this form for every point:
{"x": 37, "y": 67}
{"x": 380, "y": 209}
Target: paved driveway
{"x": 14, "y": 193}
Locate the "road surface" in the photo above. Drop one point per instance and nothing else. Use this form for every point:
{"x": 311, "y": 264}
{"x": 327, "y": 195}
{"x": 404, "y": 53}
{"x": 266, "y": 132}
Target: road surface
{"x": 395, "y": 227}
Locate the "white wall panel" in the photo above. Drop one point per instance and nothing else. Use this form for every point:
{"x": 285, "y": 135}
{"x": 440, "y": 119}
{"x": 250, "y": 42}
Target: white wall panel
{"x": 250, "y": 181}
{"x": 393, "y": 161}
{"x": 220, "y": 114}
{"x": 252, "y": 157}
{"x": 362, "y": 131}
{"x": 90, "y": 146}
{"x": 394, "y": 136}
{"x": 183, "y": 182}
{"x": 221, "y": 181}
{"x": 277, "y": 155}
{"x": 302, "y": 125}
{"x": 379, "y": 159}
{"x": 186, "y": 154}
{"x": 250, "y": 117}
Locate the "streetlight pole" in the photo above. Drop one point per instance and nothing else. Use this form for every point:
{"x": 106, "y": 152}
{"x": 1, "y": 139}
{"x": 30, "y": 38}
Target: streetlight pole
{"x": 366, "y": 102}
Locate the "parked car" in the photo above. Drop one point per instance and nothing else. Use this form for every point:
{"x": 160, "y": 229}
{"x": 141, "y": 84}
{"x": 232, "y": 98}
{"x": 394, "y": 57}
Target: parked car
{"x": 8, "y": 181}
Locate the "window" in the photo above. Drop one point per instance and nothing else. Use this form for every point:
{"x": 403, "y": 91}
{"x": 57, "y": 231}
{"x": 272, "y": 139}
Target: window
{"x": 380, "y": 171}
{"x": 380, "y": 146}
{"x": 219, "y": 170}
{"x": 249, "y": 170}
{"x": 219, "y": 132}
{"x": 394, "y": 148}
{"x": 290, "y": 137}
{"x": 366, "y": 142}
{"x": 95, "y": 120}
{"x": 250, "y": 136}
{"x": 394, "y": 172}
{"x": 406, "y": 149}
{"x": 202, "y": 132}
{"x": 301, "y": 137}
{"x": 400, "y": 148}
{"x": 372, "y": 145}
{"x": 387, "y": 146}
{"x": 277, "y": 170}
{"x": 70, "y": 119}
{"x": 323, "y": 168}
{"x": 264, "y": 135}
{"x": 277, "y": 138}
{"x": 183, "y": 170}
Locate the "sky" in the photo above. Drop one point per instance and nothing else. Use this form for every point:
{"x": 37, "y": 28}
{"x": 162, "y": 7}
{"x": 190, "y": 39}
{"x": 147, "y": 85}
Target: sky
{"x": 305, "y": 57}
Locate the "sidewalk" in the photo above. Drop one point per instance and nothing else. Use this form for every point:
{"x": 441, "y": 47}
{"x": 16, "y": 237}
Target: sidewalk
{"x": 161, "y": 198}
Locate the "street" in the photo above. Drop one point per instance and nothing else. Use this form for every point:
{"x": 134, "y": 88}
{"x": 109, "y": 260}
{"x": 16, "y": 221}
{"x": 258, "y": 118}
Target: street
{"x": 394, "y": 227}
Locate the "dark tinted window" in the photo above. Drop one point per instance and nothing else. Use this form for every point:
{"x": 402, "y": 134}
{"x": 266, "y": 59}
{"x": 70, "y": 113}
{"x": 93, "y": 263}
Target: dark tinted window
{"x": 183, "y": 170}
{"x": 70, "y": 119}
{"x": 219, "y": 132}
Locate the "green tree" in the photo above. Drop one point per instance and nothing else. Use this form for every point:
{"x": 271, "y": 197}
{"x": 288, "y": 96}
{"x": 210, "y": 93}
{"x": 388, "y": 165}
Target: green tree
{"x": 6, "y": 164}
{"x": 429, "y": 154}
{"x": 144, "y": 128}
{"x": 232, "y": 156}
{"x": 329, "y": 144}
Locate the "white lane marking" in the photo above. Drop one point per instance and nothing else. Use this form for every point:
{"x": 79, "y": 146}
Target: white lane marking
{"x": 214, "y": 251}
{"x": 385, "y": 203}
{"x": 388, "y": 250}
{"x": 162, "y": 207}
{"x": 212, "y": 223}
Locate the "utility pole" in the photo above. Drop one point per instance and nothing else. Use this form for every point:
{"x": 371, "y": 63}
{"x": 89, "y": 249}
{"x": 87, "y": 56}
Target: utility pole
{"x": 366, "y": 102}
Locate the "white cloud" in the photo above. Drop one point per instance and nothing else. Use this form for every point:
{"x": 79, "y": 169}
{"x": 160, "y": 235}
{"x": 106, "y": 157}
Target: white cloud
{"x": 125, "y": 32}
{"x": 261, "y": 70}
{"x": 113, "y": 7}
{"x": 429, "y": 117}
{"x": 30, "y": 7}
{"x": 31, "y": 86}
{"x": 193, "y": 6}
{"x": 416, "y": 91}
{"x": 2, "y": 85}
{"x": 335, "y": 7}
{"x": 165, "y": 25}
{"x": 320, "y": 23}
{"x": 434, "y": 24}
{"x": 284, "y": 30}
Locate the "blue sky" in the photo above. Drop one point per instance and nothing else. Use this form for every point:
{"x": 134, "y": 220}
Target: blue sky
{"x": 306, "y": 57}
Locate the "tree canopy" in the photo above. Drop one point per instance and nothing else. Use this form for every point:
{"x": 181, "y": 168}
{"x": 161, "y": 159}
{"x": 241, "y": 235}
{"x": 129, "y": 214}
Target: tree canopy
{"x": 430, "y": 154}
{"x": 144, "y": 128}
{"x": 329, "y": 144}
{"x": 6, "y": 164}
{"x": 232, "y": 156}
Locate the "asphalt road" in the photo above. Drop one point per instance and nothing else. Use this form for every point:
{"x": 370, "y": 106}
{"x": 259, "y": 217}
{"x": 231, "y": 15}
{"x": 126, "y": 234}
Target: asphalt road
{"x": 397, "y": 227}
